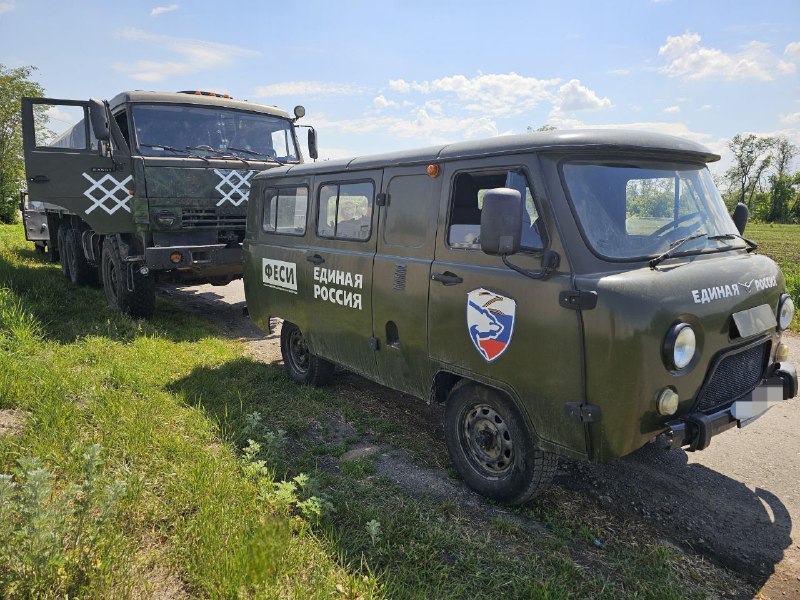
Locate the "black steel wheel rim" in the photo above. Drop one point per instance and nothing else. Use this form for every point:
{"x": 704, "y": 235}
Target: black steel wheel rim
{"x": 486, "y": 440}
{"x": 298, "y": 351}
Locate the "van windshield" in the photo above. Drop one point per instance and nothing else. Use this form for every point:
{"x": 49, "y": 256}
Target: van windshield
{"x": 170, "y": 130}
{"x": 635, "y": 210}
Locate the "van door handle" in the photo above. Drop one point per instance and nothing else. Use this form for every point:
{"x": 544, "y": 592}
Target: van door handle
{"x": 316, "y": 259}
{"x": 39, "y": 179}
{"x": 447, "y": 278}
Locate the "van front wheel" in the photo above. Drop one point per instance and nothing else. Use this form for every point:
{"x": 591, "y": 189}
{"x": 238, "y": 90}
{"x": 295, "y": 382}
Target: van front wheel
{"x": 491, "y": 446}
{"x": 301, "y": 365}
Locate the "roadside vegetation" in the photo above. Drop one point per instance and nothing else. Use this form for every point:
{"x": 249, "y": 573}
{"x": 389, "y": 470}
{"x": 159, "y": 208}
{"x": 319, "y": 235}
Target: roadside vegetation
{"x": 156, "y": 459}
{"x": 781, "y": 242}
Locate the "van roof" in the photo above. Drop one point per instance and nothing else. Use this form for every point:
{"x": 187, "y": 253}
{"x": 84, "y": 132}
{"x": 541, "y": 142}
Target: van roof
{"x": 574, "y": 139}
{"x": 184, "y": 98}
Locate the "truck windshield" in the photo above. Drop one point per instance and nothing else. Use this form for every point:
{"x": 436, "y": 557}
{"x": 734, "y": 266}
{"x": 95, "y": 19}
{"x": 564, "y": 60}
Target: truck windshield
{"x": 164, "y": 130}
{"x": 635, "y": 210}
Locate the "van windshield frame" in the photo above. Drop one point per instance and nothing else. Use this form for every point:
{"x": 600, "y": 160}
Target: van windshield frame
{"x": 631, "y": 210}
{"x": 163, "y": 129}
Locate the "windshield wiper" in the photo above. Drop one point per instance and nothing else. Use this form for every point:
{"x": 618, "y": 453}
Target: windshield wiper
{"x": 673, "y": 247}
{"x": 220, "y": 153}
{"x": 751, "y": 245}
{"x": 254, "y": 153}
{"x": 185, "y": 151}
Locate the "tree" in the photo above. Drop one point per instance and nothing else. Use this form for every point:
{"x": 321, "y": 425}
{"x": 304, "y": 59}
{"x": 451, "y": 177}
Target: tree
{"x": 781, "y": 189}
{"x": 751, "y": 158}
{"x": 14, "y": 85}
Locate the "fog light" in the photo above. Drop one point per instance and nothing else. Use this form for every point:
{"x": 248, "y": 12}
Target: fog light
{"x": 782, "y": 352}
{"x": 176, "y": 257}
{"x": 667, "y": 402}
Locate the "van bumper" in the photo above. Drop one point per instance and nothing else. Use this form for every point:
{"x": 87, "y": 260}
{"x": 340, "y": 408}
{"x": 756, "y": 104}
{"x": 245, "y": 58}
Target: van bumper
{"x": 694, "y": 431}
{"x": 195, "y": 257}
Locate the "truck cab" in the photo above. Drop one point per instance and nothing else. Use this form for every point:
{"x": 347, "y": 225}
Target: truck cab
{"x": 149, "y": 185}
{"x": 576, "y": 293}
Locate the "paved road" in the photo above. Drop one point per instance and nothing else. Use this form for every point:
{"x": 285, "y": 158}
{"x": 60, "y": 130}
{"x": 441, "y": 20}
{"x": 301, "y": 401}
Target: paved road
{"x": 737, "y": 502}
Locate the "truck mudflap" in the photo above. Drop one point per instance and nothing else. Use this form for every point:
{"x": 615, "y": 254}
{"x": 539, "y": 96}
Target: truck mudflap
{"x": 694, "y": 431}
{"x": 163, "y": 258}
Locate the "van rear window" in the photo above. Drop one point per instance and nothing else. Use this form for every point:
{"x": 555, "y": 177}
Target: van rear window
{"x": 285, "y": 210}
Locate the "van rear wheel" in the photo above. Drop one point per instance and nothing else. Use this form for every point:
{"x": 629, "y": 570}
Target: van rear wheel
{"x": 301, "y": 365}
{"x": 491, "y": 445}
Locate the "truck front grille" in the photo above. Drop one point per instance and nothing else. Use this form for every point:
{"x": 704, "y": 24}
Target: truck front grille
{"x": 734, "y": 376}
{"x": 196, "y": 218}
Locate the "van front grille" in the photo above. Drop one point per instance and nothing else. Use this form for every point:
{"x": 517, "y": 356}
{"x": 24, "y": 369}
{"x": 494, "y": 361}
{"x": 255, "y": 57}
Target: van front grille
{"x": 735, "y": 375}
{"x": 196, "y": 218}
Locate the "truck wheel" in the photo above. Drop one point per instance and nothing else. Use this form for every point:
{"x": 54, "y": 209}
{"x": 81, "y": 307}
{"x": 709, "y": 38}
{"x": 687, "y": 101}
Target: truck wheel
{"x": 491, "y": 445}
{"x": 300, "y": 363}
{"x": 139, "y": 303}
{"x": 80, "y": 271}
{"x": 62, "y": 250}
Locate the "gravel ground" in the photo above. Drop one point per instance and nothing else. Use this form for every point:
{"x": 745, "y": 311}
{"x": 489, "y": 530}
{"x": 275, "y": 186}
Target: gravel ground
{"x": 737, "y": 502}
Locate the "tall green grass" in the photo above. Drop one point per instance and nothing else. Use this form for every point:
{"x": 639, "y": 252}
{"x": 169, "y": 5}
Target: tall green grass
{"x": 122, "y": 485}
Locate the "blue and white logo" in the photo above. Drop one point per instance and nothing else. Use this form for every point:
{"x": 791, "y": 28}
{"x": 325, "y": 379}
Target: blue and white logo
{"x": 490, "y": 321}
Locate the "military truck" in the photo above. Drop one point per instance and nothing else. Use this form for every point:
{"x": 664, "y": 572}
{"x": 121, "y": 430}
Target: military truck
{"x": 576, "y": 293}
{"x": 149, "y": 185}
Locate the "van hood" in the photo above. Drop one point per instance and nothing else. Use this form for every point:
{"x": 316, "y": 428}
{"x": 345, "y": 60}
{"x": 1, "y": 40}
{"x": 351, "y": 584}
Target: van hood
{"x": 624, "y": 334}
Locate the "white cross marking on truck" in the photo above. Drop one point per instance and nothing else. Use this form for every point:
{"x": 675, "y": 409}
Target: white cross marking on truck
{"x": 241, "y": 187}
{"x": 108, "y": 194}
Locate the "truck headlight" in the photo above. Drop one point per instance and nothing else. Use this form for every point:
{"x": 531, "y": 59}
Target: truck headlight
{"x": 680, "y": 346}
{"x": 785, "y": 311}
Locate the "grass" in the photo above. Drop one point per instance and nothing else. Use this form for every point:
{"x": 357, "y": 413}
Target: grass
{"x": 782, "y": 244}
{"x": 175, "y": 498}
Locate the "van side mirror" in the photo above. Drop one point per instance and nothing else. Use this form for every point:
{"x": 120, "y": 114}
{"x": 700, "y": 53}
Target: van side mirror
{"x": 312, "y": 143}
{"x": 501, "y": 222}
{"x": 98, "y": 117}
{"x": 740, "y": 216}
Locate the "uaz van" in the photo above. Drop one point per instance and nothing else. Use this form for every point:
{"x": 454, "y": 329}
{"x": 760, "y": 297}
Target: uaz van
{"x": 571, "y": 293}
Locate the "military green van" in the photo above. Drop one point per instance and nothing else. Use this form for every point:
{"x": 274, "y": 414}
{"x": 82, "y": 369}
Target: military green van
{"x": 575, "y": 293}
{"x": 150, "y": 184}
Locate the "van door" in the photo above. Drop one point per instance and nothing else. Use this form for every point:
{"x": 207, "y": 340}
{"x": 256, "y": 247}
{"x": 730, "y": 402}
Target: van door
{"x": 406, "y": 238}
{"x": 339, "y": 264}
{"x": 67, "y": 170}
{"x": 501, "y": 327}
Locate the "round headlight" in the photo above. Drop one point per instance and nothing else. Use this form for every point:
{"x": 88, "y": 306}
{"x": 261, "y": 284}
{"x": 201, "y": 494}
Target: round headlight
{"x": 680, "y": 346}
{"x": 785, "y": 311}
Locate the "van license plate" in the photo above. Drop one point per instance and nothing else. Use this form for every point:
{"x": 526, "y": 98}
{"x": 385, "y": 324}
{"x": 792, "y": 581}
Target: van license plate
{"x": 755, "y": 320}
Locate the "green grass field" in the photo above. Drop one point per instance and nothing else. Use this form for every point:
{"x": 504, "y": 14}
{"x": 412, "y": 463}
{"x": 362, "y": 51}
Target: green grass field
{"x": 782, "y": 244}
{"x": 131, "y": 475}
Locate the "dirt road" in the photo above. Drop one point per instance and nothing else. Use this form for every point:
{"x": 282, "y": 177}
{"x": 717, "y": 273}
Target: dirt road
{"x": 737, "y": 502}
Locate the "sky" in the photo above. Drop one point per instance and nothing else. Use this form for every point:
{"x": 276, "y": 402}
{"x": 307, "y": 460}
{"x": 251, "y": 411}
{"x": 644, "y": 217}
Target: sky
{"x": 382, "y": 76}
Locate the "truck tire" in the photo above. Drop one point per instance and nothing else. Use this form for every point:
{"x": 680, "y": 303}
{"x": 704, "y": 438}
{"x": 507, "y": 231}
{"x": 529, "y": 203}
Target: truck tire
{"x": 80, "y": 271}
{"x": 62, "y": 250}
{"x": 491, "y": 445}
{"x": 140, "y": 303}
{"x": 301, "y": 365}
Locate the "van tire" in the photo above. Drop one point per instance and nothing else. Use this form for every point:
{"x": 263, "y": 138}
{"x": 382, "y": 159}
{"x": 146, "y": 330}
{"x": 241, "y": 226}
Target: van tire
{"x": 80, "y": 271}
{"x": 301, "y": 365}
{"x": 61, "y": 237}
{"x": 139, "y": 303}
{"x": 491, "y": 445}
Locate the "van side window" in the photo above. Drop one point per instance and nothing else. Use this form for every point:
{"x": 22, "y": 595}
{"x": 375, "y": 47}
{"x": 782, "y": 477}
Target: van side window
{"x": 285, "y": 210}
{"x": 469, "y": 189}
{"x": 345, "y": 210}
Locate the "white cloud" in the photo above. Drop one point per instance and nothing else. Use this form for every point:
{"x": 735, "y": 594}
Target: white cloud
{"x": 672, "y": 109}
{"x": 573, "y": 96}
{"x": 193, "y": 56}
{"x": 160, "y": 10}
{"x": 791, "y": 119}
{"x": 380, "y": 102}
{"x": 705, "y": 107}
{"x": 686, "y": 58}
{"x": 620, "y": 72}
{"x": 500, "y": 94}
{"x": 306, "y": 89}
{"x": 792, "y": 49}
{"x": 7, "y": 7}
